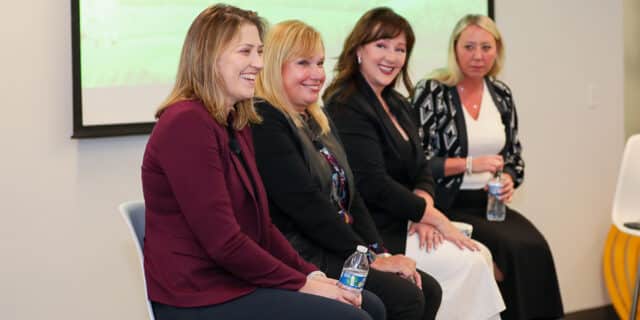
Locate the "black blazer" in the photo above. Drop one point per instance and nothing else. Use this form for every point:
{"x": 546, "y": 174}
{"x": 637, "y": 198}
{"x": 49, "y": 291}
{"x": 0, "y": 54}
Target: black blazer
{"x": 438, "y": 110}
{"x": 385, "y": 176}
{"x": 298, "y": 182}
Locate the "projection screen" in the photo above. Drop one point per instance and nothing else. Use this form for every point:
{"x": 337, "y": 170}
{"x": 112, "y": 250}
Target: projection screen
{"x": 125, "y": 52}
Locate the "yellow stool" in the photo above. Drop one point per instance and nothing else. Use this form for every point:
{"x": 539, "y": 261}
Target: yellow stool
{"x": 620, "y": 262}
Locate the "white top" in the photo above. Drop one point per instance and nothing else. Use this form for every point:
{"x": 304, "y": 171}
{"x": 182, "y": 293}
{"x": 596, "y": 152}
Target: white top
{"x": 485, "y": 136}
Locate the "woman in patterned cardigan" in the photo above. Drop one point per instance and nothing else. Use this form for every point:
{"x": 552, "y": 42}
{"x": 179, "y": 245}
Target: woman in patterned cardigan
{"x": 469, "y": 131}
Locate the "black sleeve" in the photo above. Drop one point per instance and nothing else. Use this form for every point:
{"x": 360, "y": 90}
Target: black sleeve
{"x": 512, "y": 153}
{"x": 365, "y": 152}
{"x": 363, "y": 222}
{"x": 292, "y": 189}
{"x": 428, "y": 94}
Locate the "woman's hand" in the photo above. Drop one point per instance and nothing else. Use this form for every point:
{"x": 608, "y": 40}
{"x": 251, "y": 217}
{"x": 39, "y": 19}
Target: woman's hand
{"x": 429, "y": 236}
{"x": 330, "y": 289}
{"x": 326, "y": 280}
{"x": 451, "y": 233}
{"x": 433, "y": 216}
{"x": 490, "y": 163}
{"x": 401, "y": 265}
{"x": 507, "y": 188}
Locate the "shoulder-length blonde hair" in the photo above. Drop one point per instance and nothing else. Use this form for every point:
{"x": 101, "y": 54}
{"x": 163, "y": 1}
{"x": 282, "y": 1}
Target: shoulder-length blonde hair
{"x": 452, "y": 74}
{"x": 375, "y": 24}
{"x": 198, "y": 77}
{"x": 286, "y": 41}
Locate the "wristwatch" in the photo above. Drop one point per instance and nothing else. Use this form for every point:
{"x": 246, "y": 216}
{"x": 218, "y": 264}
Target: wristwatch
{"x": 373, "y": 256}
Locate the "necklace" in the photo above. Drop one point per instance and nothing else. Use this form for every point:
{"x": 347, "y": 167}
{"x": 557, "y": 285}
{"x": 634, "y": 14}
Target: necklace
{"x": 474, "y": 106}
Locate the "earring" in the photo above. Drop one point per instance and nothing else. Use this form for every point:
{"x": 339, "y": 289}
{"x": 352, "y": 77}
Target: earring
{"x": 359, "y": 59}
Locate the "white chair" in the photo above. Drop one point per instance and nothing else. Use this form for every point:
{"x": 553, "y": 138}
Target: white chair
{"x": 626, "y": 202}
{"x": 133, "y": 214}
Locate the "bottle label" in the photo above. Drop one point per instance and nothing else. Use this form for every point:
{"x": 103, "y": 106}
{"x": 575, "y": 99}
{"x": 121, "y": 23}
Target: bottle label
{"x": 495, "y": 187}
{"x": 352, "y": 279}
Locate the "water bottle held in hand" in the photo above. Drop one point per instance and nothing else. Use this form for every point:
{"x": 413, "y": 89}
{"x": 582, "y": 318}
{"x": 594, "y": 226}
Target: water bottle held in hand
{"x": 496, "y": 210}
{"x": 355, "y": 270}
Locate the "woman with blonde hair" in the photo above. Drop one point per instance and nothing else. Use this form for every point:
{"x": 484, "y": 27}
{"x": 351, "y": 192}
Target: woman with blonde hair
{"x": 470, "y": 132}
{"x": 391, "y": 172}
{"x": 210, "y": 249}
{"x": 311, "y": 190}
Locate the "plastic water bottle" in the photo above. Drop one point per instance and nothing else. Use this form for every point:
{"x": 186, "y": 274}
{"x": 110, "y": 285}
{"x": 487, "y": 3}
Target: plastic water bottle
{"x": 496, "y": 210}
{"x": 355, "y": 270}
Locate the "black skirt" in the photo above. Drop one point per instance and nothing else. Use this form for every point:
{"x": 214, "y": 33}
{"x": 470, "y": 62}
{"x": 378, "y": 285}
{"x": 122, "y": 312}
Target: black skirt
{"x": 530, "y": 287}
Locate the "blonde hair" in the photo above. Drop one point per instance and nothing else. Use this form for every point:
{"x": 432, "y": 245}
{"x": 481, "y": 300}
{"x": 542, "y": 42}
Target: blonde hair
{"x": 286, "y": 41}
{"x": 375, "y": 24}
{"x": 198, "y": 77}
{"x": 452, "y": 74}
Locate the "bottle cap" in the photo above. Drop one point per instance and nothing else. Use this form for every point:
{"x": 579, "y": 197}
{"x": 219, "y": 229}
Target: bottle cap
{"x": 362, "y": 249}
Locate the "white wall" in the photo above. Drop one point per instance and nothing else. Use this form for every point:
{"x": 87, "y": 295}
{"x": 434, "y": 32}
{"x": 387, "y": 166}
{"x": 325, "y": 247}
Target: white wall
{"x": 65, "y": 253}
{"x": 556, "y": 50}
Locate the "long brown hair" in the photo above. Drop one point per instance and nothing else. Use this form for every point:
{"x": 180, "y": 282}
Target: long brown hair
{"x": 198, "y": 77}
{"x": 375, "y": 24}
{"x": 285, "y": 41}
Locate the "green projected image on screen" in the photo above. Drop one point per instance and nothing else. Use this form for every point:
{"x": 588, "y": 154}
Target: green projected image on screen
{"x": 137, "y": 42}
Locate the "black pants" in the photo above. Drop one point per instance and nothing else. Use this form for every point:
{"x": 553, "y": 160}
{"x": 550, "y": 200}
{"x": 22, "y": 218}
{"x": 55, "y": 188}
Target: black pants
{"x": 403, "y": 299}
{"x": 277, "y": 304}
{"x": 530, "y": 287}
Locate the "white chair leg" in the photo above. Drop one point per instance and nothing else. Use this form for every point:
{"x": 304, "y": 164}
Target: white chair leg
{"x": 634, "y": 302}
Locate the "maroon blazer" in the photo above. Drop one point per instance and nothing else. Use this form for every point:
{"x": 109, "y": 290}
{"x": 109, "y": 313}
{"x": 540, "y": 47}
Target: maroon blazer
{"x": 209, "y": 237}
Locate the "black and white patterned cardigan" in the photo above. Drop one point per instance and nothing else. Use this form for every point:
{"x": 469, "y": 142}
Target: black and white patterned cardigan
{"x": 439, "y": 113}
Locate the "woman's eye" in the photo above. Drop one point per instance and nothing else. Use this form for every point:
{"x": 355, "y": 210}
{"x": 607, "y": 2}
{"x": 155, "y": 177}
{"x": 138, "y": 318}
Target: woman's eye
{"x": 381, "y": 45}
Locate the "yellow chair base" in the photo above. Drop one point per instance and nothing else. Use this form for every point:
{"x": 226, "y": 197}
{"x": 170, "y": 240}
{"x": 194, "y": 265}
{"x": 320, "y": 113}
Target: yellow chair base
{"x": 620, "y": 262}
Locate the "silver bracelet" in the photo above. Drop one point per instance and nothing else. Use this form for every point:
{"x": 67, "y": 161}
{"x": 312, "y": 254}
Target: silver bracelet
{"x": 468, "y": 169}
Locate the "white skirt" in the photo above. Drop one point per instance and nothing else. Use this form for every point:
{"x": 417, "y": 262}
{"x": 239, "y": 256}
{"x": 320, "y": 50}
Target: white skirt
{"x": 469, "y": 289}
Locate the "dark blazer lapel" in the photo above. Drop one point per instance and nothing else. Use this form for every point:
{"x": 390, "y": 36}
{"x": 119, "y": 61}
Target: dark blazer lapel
{"x": 501, "y": 104}
{"x": 399, "y": 110}
{"x": 497, "y": 98}
{"x": 368, "y": 101}
{"x": 240, "y": 168}
{"x": 458, "y": 116}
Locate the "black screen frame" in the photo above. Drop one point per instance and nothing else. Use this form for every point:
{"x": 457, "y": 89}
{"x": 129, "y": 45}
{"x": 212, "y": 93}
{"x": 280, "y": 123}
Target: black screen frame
{"x": 80, "y": 130}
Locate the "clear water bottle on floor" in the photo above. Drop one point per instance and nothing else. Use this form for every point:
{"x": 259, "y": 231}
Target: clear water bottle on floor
{"x": 355, "y": 270}
{"x": 496, "y": 210}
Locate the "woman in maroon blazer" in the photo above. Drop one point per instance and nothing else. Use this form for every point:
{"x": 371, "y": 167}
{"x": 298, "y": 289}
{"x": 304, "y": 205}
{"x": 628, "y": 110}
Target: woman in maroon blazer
{"x": 210, "y": 249}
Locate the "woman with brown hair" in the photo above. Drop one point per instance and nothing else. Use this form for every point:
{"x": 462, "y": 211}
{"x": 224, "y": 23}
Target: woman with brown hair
{"x": 391, "y": 172}
{"x": 210, "y": 249}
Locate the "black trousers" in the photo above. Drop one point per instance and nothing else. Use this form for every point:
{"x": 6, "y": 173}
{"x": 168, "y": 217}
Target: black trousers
{"x": 403, "y": 299}
{"x": 277, "y": 304}
{"x": 530, "y": 288}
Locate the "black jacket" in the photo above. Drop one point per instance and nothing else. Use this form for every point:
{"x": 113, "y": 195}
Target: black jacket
{"x": 385, "y": 176}
{"x": 444, "y": 134}
{"x": 298, "y": 183}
